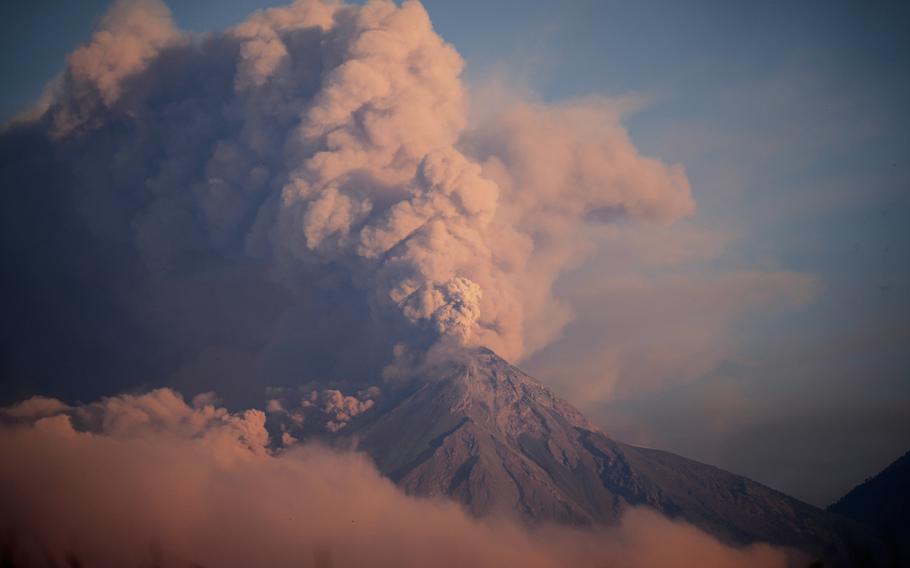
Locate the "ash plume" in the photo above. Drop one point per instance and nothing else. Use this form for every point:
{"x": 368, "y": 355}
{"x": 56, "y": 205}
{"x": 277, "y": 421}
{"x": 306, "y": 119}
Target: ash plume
{"x": 248, "y": 207}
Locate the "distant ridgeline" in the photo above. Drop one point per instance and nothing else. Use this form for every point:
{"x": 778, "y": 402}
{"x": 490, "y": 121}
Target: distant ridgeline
{"x": 882, "y": 503}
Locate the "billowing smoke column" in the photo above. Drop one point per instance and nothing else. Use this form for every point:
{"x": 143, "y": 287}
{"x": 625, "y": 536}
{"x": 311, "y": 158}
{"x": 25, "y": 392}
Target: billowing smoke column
{"x": 326, "y": 146}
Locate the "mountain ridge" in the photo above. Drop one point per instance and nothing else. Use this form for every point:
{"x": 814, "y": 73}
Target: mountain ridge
{"x": 484, "y": 433}
{"x": 882, "y": 503}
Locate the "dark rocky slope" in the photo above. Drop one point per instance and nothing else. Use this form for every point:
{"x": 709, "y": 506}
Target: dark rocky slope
{"x": 882, "y": 503}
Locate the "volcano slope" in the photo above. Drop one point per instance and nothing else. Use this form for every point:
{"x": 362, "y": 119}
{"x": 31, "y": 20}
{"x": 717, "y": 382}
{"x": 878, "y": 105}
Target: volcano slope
{"x": 482, "y": 432}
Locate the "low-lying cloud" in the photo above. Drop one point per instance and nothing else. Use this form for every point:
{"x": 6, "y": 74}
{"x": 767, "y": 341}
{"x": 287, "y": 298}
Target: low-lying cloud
{"x": 151, "y": 480}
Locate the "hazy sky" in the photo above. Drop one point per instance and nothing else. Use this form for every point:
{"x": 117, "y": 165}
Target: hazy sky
{"x": 768, "y": 332}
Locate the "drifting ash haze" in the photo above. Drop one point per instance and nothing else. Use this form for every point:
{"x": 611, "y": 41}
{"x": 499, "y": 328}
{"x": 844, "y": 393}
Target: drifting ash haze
{"x": 152, "y": 481}
{"x": 297, "y": 199}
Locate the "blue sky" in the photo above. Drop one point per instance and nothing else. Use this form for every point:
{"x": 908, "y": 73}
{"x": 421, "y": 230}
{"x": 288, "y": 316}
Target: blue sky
{"x": 793, "y": 125}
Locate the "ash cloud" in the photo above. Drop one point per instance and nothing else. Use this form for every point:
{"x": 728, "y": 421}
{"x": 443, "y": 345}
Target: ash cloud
{"x": 250, "y": 207}
{"x": 151, "y": 480}
{"x": 298, "y": 413}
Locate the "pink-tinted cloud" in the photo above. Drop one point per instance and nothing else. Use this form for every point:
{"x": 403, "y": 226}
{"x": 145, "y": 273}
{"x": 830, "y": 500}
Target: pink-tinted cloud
{"x": 653, "y": 313}
{"x": 150, "y": 479}
{"x": 128, "y": 37}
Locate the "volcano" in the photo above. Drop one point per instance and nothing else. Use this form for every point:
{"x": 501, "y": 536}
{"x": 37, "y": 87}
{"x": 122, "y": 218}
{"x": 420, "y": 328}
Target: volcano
{"x": 482, "y": 432}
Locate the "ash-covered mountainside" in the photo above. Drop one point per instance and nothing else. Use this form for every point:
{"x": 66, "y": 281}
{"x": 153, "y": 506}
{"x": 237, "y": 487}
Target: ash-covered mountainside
{"x": 486, "y": 434}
